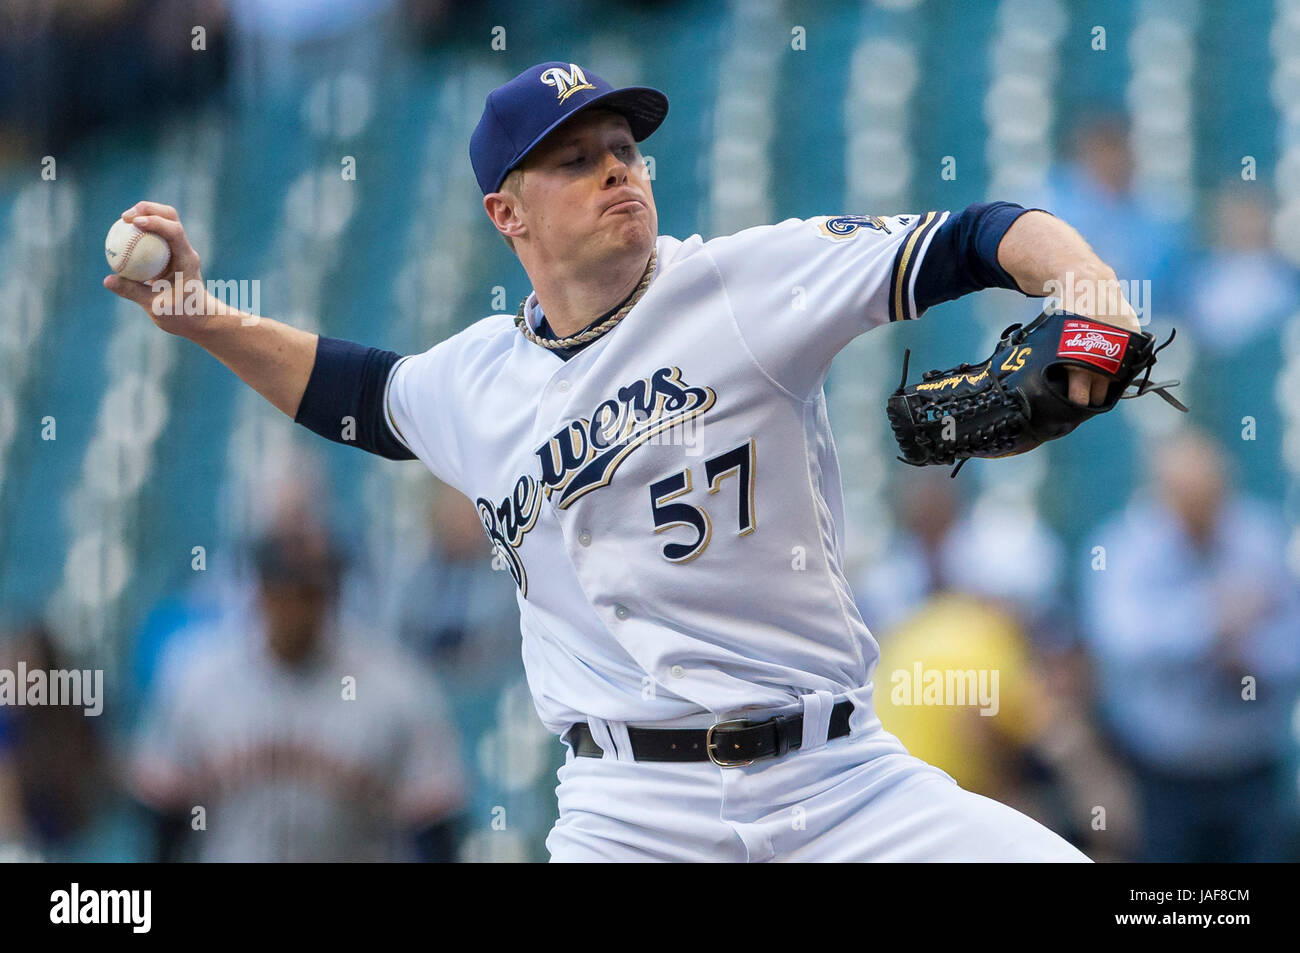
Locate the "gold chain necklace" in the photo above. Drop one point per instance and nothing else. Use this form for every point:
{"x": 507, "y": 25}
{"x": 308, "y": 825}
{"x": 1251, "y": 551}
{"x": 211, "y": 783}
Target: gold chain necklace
{"x": 594, "y": 332}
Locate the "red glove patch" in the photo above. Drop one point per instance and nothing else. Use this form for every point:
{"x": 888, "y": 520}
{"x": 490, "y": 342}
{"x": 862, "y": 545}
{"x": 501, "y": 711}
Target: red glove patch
{"x": 1097, "y": 344}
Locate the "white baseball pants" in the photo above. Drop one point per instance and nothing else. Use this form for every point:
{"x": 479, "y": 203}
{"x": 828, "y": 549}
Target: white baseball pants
{"x": 857, "y": 798}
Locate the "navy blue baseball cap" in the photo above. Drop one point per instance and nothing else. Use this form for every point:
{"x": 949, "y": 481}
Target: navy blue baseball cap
{"x": 521, "y": 113}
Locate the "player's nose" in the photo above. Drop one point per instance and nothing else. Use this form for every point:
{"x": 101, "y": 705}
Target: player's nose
{"x": 616, "y": 169}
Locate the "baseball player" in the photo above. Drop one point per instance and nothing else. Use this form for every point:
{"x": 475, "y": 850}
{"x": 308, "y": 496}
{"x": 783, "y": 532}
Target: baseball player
{"x": 299, "y": 746}
{"x": 646, "y": 442}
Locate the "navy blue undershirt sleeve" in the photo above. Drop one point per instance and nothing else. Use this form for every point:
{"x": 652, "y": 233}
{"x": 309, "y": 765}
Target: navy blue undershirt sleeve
{"x": 963, "y": 254}
{"x": 348, "y": 380}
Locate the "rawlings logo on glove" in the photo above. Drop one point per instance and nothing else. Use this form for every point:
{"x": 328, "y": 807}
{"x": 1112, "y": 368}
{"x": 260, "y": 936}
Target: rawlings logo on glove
{"x": 1098, "y": 344}
{"x": 1017, "y": 399}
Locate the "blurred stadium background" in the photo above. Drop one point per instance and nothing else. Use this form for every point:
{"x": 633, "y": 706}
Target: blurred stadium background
{"x": 1123, "y": 582}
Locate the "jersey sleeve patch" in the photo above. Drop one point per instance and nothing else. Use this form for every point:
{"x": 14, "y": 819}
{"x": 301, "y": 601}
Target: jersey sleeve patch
{"x": 838, "y": 228}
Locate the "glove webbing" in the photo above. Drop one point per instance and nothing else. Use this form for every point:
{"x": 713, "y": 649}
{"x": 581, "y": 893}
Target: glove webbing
{"x": 1000, "y": 434}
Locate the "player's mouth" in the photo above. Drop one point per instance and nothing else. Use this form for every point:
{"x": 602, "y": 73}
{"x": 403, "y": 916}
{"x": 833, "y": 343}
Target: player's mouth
{"x": 626, "y": 206}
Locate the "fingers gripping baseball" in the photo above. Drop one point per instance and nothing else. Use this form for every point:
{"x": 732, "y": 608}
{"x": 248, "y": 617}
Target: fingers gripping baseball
{"x": 179, "y": 264}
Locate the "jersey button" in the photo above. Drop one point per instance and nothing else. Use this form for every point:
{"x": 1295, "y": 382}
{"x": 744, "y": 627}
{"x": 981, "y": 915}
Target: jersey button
{"x": 585, "y": 538}
{"x": 622, "y": 612}
{"x": 677, "y": 671}
{"x": 562, "y": 386}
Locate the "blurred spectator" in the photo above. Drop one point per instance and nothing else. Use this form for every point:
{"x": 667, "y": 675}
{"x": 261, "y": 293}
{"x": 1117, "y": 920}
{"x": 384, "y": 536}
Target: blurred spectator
{"x": 1192, "y": 625}
{"x": 47, "y": 802}
{"x": 454, "y": 609}
{"x": 981, "y": 594}
{"x": 1094, "y": 192}
{"x": 426, "y": 21}
{"x": 1002, "y": 553}
{"x": 1005, "y": 552}
{"x": 68, "y": 67}
{"x": 927, "y": 503}
{"x": 13, "y": 829}
{"x": 299, "y": 745}
{"x": 981, "y": 742}
{"x": 1242, "y": 294}
{"x": 195, "y": 612}
{"x": 1240, "y": 287}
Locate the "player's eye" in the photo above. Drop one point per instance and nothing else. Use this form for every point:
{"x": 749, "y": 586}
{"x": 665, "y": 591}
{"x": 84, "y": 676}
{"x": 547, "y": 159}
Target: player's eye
{"x": 576, "y": 161}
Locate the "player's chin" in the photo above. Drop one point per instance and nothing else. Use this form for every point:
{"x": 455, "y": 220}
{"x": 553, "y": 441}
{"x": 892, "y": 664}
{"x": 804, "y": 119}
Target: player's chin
{"x": 633, "y": 231}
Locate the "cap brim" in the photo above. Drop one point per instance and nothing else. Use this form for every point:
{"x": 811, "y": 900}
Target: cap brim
{"x": 643, "y": 108}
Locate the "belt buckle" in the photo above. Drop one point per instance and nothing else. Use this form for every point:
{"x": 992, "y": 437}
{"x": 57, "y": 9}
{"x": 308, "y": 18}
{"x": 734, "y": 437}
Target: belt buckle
{"x": 710, "y": 744}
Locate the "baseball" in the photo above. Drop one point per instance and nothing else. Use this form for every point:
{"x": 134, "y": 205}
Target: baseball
{"x": 135, "y": 254}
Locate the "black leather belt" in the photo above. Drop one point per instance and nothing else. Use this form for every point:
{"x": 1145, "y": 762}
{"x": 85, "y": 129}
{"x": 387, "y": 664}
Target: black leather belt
{"x": 728, "y": 744}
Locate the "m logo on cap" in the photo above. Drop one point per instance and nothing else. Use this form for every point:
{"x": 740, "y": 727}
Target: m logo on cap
{"x": 566, "y": 82}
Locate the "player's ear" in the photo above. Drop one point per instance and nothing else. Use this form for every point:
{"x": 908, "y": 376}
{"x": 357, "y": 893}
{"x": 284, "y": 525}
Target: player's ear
{"x": 504, "y": 209}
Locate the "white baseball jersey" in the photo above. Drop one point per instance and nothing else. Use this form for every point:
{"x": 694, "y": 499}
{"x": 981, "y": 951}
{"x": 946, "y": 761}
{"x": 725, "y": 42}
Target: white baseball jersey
{"x": 287, "y": 767}
{"x": 668, "y": 499}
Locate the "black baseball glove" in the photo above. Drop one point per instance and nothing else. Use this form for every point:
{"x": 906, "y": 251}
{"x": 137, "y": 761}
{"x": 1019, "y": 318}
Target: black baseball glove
{"x": 1018, "y": 398}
